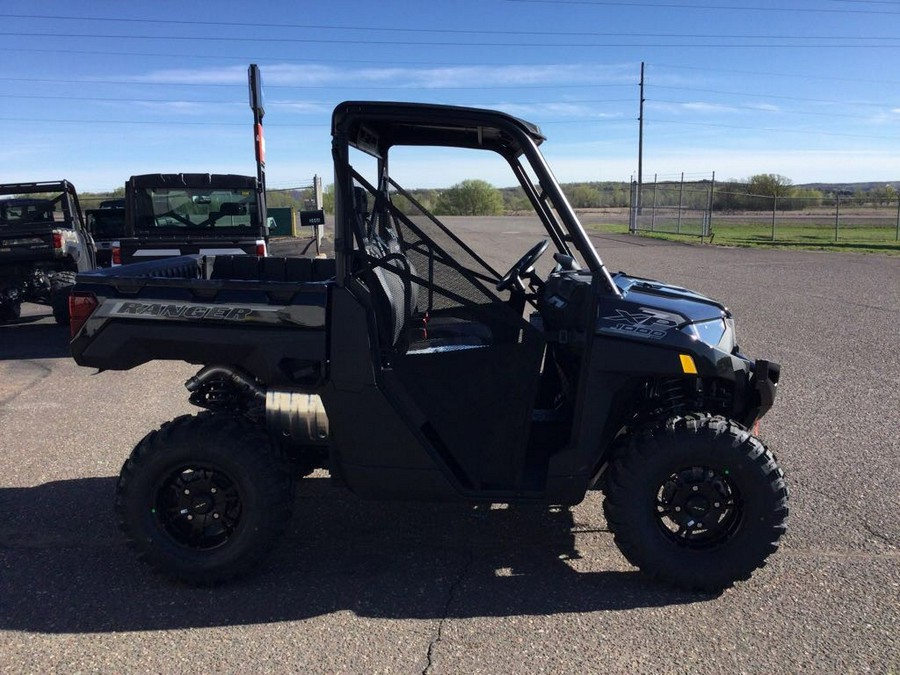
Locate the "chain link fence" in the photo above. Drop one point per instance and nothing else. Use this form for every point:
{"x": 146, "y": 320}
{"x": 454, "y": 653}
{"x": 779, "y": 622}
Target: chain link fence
{"x": 670, "y": 208}
{"x": 703, "y": 210}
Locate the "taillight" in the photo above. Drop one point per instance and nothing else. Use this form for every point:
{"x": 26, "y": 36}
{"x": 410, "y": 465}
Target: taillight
{"x": 116, "y": 255}
{"x": 81, "y": 306}
{"x": 57, "y": 239}
{"x": 261, "y": 248}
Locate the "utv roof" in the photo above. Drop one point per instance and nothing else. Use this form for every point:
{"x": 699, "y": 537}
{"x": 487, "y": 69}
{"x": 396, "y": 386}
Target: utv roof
{"x": 42, "y": 187}
{"x": 193, "y": 180}
{"x": 374, "y": 127}
{"x": 13, "y": 201}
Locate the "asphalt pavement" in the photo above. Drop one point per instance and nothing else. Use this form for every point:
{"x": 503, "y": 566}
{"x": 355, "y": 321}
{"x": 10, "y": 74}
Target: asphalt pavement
{"x": 389, "y": 587}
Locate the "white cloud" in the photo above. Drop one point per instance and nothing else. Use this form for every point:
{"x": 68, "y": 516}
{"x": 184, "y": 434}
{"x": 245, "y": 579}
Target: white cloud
{"x": 311, "y": 74}
{"x": 701, "y": 106}
{"x": 311, "y": 107}
{"x": 884, "y": 117}
{"x": 554, "y": 109}
{"x": 229, "y": 75}
{"x": 178, "y": 107}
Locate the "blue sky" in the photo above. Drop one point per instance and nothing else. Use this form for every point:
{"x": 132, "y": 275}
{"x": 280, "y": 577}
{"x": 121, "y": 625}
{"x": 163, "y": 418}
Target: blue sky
{"x": 97, "y": 91}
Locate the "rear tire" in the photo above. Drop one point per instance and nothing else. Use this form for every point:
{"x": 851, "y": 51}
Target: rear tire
{"x": 60, "y": 289}
{"x": 10, "y": 311}
{"x": 698, "y": 502}
{"x": 205, "y": 498}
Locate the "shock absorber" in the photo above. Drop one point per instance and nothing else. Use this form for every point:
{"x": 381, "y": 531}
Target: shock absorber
{"x": 672, "y": 395}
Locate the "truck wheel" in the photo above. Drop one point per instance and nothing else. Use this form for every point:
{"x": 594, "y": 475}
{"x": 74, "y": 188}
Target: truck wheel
{"x": 698, "y": 502}
{"x": 60, "y": 288}
{"x": 204, "y": 498}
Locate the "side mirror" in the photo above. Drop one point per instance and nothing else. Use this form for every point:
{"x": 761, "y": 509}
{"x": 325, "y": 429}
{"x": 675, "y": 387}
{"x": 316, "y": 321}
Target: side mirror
{"x": 566, "y": 263}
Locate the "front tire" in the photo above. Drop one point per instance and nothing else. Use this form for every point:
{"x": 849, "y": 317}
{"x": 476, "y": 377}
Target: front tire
{"x": 204, "y": 498}
{"x": 698, "y": 502}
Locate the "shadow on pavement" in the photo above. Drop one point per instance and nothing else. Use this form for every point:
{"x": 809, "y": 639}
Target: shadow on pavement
{"x": 26, "y": 339}
{"x": 65, "y": 569}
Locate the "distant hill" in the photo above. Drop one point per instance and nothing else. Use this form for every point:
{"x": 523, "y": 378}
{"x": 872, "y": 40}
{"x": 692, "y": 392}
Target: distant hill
{"x": 850, "y": 188}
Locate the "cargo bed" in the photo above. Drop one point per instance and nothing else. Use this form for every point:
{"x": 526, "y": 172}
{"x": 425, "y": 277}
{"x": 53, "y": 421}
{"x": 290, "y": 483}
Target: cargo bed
{"x": 265, "y": 315}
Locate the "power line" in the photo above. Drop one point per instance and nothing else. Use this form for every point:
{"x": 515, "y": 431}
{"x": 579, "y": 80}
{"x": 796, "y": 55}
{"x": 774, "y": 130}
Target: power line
{"x": 168, "y": 124}
{"x": 773, "y": 129}
{"x": 774, "y": 96}
{"x": 246, "y": 58}
{"x": 757, "y": 109}
{"x": 798, "y": 75}
{"x": 820, "y": 42}
{"x": 438, "y": 31}
{"x": 106, "y": 99}
{"x": 414, "y": 86}
{"x": 32, "y": 120}
{"x": 673, "y": 5}
{"x": 150, "y": 122}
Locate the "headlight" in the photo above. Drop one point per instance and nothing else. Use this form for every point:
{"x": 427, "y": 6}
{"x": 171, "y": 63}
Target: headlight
{"x": 715, "y": 333}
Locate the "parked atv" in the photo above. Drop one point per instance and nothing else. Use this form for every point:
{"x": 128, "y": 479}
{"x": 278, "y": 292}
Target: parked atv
{"x": 411, "y": 369}
{"x": 170, "y": 214}
{"x": 43, "y": 243}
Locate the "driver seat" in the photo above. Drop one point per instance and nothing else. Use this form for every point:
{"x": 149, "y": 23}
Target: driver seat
{"x": 396, "y": 295}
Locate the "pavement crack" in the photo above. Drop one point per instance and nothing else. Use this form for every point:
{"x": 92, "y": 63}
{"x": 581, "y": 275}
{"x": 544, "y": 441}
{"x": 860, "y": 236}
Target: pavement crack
{"x": 451, "y": 595}
{"x": 862, "y": 521}
{"x": 29, "y": 365}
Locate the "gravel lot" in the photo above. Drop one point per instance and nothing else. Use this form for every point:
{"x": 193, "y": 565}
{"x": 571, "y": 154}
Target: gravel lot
{"x": 361, "y": 587}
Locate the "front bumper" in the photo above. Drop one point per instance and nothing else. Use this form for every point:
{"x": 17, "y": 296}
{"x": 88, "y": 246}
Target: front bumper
{"x": 764, "y": 385}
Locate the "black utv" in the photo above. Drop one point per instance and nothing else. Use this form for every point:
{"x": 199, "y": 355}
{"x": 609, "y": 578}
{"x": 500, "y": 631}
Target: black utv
{"x": 172, "y": 214}
{"x": 410, "y": 368}
{"x": 43, "y": 243}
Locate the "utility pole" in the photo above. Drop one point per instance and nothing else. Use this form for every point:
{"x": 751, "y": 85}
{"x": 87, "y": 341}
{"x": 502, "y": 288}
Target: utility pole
{"x": 640, "y": 181}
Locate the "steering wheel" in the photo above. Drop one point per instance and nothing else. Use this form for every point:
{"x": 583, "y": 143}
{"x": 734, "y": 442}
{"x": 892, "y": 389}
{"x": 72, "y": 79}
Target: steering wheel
{"x": 525, "y": 265}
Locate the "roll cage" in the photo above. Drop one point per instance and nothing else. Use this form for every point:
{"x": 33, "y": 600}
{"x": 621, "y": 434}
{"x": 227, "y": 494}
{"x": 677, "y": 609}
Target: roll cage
{"x": 376, "y": 127}
{"x": 47, "y": 198}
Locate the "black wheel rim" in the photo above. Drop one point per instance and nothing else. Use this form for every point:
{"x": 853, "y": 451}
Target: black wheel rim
{"x": 698, "y": 507}
{"x": 198, "y": 506}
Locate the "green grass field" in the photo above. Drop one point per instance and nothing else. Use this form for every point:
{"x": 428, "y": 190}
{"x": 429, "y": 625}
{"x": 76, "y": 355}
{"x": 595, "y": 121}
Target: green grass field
{"x": 863, "y": 239}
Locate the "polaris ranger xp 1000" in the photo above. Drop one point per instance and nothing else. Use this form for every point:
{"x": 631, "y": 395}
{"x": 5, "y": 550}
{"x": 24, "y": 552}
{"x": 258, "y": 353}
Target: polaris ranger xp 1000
{"x": 410, "y": 368}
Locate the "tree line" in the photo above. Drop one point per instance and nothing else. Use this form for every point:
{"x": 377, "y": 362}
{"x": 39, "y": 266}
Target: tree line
{"x": 761, "y": 192}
